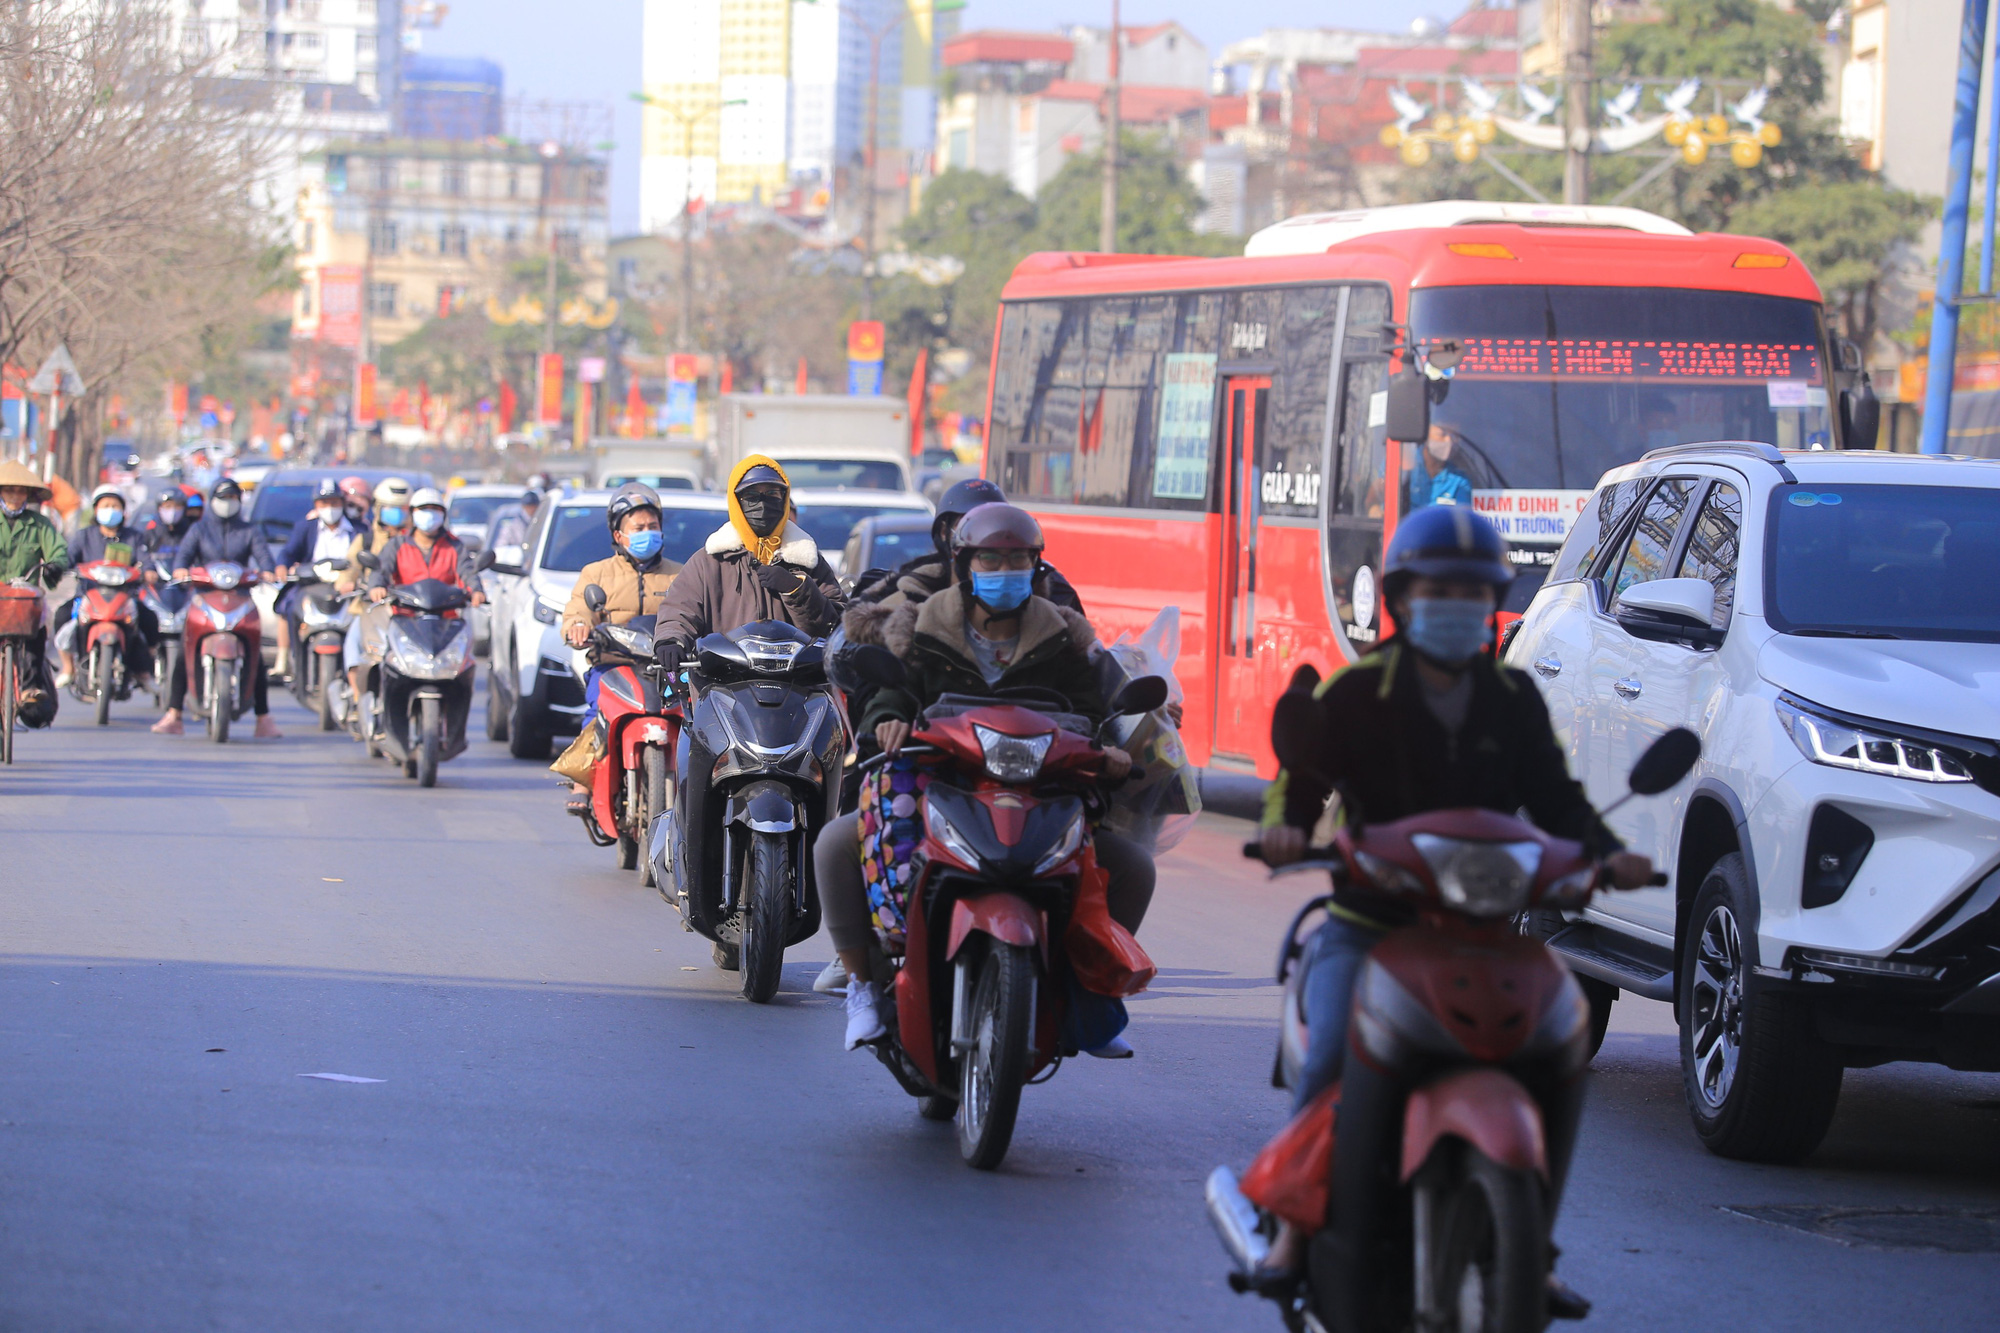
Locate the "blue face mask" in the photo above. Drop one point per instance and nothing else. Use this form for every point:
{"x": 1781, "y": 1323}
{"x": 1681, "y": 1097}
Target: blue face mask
{"x": 1004, "y": 589}
{"x": 1448, "y": 629}
{"x": 110, "y": 518}
{"x": 429, "y": 520}
{"x": 392, "y": 516}
{"x": 644, "y": 544}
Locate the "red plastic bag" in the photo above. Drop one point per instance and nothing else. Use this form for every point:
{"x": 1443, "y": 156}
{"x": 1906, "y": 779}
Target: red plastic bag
{"x": 1292, "y": 1175}
{"x": 1102, "y": 953}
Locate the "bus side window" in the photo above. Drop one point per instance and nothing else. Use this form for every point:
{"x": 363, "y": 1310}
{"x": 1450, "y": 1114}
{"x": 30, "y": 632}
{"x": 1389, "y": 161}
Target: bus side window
{"x": 1363, "y": 453}
{"x": 1303, "y": 350}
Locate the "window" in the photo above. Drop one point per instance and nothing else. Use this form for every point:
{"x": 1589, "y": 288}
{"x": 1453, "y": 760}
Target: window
{"x": 960, "y": 152}
{"x": 513, "y": 183}
{"x": 1712, "y": 548}
{"x": 385, "y": 173}
{"x": 308, "y": 238}
{"x": 1035, "y": 402}
{"x": 1594, "y": 525}
{"x": 454, "y": 178}
{"x": 451, "y": 240}
{"x": 1294, "y": 437}
{"x": 382, "y": 299}
{"x": 1645, "y": 557}
{"x": 382, "y": 236}
{"x": 1362, "y": 458}
{"x": 305, "y": 301}
{"x": 628, "y": 273}
{"x": 569, "y": 244}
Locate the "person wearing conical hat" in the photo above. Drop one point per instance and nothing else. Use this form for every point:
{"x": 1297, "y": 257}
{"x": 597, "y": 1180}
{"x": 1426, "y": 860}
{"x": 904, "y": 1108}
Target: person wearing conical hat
{"x": 30, "y": 548}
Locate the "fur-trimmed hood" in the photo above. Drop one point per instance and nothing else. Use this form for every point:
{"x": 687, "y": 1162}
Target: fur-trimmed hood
{"x": 942, "y": 617}
{"x": 799, "y": 548}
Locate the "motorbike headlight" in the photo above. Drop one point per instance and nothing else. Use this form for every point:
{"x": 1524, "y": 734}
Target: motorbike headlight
{"x": 1484, "y": 879}
{"x": 1838, "y": 745}
{"x": 224, "y": 576}
{"x": 952, "y": 840}
{"x": 547, "y": 612}
{"x": 114, "y": 576}
{"x": 1013, "y": 758}
{"x": 769, "y": 654}
{"x": 225, "y": 617}
{"x": 1066, "y": 845}
{"x": 311, "y": 614}
{"x": 636, "y": 642}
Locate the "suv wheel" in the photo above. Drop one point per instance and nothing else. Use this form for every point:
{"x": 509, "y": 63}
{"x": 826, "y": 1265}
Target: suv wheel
{"x": 1760, "y": 1083}
{"x": 497, "y": 711}
{"x": 525, "y": 740}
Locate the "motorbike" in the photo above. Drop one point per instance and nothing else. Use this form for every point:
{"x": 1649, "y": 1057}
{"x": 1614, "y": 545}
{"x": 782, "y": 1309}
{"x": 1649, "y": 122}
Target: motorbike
{"x": 318, "y": 681}
{"x": 1462, "y": 1089}
{"x": 415, "y": 700}
{"x": 23, "y": 609}
{"x": 168, "y": 601}
{"x": 224, "y": 644}
{"x": 984, "y": 978}
{"x": 757, "y": 775}
{"x": 106, "y": 617}
{"x": 632, "y": 785}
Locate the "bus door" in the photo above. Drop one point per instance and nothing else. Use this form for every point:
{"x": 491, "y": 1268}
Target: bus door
{"x": 1242, "y": 726}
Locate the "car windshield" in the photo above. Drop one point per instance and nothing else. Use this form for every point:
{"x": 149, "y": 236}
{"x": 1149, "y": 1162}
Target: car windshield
{"x": 1890, "y": 562}
{"x": 893, "y": 548}
{"x": 580, "y": 535}
{"x": 842, "y": 474}
{"x": 831, "y": 525}
{"x": 1560, "y": 384}
{"x": 658, "y": 481}
{"x": 475, "y": 508}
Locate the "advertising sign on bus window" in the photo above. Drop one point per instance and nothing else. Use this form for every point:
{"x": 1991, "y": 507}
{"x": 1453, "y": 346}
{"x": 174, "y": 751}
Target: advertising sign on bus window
{"x": 1187, "y": 414}
{"x": 1541, "y": 517}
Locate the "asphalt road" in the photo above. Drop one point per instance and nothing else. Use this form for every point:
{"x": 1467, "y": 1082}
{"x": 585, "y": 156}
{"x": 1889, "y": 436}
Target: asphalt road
{"x": 579, "y": 1125}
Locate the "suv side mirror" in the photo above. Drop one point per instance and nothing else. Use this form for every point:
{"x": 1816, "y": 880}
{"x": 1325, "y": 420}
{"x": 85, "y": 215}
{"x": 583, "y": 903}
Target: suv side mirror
{"x": 1409, "y": 407}
{"x": 1670, "y": 610}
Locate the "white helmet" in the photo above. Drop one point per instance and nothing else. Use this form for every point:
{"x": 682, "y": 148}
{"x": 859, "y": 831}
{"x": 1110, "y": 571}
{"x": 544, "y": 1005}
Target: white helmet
{"x": 428, "y": 498}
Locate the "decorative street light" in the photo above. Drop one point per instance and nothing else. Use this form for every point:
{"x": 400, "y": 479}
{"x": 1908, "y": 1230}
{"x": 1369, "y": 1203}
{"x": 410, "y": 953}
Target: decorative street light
{"x": 688, "y": 120}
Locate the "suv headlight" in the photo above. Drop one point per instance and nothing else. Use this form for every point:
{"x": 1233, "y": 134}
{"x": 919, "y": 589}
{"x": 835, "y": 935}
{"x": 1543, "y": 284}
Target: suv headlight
{"x": 1013, "y": 758}
{"x": 1838, "y": 745}
{"x": 1486, "y": 879}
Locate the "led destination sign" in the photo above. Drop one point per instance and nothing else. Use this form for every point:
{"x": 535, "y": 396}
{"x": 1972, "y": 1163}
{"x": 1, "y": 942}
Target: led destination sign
{"x": 1655, "y": 360}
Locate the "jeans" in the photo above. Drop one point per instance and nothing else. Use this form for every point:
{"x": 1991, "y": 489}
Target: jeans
{"x": 1337, "y": 953}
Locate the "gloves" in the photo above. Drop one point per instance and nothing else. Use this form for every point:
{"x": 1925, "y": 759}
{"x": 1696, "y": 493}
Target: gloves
{"x": 781, "y": 580}
{"x": 668, "y": 653}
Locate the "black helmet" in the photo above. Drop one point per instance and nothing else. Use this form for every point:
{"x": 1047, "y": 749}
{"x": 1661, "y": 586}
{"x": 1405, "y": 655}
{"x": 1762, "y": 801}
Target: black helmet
{"x": 958, "y": 500}
{"x": 531, "y": 499}
{"x": 226, "y": 489}
{"x": 1445, "y": 542}
{"x": 632, "y": 495}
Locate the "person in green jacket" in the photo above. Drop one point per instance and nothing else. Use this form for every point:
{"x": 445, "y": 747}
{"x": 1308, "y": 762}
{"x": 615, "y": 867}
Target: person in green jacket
{"x": 30, "y": 546}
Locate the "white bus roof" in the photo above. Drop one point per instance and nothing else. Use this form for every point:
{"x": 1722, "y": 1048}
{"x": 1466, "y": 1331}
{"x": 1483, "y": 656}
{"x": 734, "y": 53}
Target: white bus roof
{"x": 1315, "y": 233}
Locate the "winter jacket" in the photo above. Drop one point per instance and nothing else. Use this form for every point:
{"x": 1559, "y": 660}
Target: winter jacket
{"x": 373, "y": 541}
{"x": 27, "y": 538}
{"x": 928, "y": 575}
{"x": 88, "y": 544}
{"x": 718, "y": 589}
{"x": 298, "y": 548}
{"x": 404, "y": 560}
{"x": 629, "y": 590}
{"x": 216, "y": 540}
{"x": 929, "y": 638}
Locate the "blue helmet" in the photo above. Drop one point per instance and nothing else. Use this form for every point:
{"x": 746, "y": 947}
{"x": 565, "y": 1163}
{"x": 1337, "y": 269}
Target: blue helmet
{"x": 1446, "y": 542}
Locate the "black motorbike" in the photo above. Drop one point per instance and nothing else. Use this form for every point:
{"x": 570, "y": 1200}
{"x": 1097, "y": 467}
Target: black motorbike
{"x": 757, "y": 776}
{"x": 320, "y": 634}
{"x": 416, "y": 700}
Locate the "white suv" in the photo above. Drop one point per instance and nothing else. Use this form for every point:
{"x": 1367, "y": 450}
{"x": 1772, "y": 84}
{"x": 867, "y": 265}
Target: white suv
{"x": 1829, "y": 623}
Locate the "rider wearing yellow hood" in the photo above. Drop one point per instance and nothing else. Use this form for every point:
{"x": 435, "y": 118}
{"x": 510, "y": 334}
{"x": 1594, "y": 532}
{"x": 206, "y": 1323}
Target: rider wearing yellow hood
{"x": 758, "y": 566}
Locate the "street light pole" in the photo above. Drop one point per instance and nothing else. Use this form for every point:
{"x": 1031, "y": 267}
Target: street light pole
{"x": 688, "y": 120}
{"x": 1577, "y": 72}
{"x": 1107, "y": 219}
{"x": 876, "y": 36}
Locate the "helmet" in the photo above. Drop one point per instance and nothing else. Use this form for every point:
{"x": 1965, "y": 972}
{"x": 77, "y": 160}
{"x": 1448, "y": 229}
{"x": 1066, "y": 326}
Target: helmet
{"x": 430, "y": 497}
{"x": 355, "y": 490}
{"x": 530, "y": 499}
{"x": 394, "y": 491}
{"x": 106, "y": 492}
{"x": 632, "y": 495}
{"x": 993, "y": 527}
{"x": 226, "y": 489}
{"x": 959, "y": 499}
{"x": 191, "y": 497}
{"x": 328, "y": 489}
{"x": 1445, "y": 542}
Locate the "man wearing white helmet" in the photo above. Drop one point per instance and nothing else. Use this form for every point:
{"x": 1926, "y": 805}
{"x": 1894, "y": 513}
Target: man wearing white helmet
{"x": 392, "y": 520}
{"x": 427, "y": 551}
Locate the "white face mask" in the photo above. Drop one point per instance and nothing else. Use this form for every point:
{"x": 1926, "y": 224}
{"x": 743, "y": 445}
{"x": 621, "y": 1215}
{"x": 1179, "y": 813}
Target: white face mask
{"x": 225, "y": 508}
{"x": 330, "y": 517}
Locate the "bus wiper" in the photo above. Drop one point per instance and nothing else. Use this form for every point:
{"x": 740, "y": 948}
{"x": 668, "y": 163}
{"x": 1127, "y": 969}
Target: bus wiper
{"x": 1845, "y": 634}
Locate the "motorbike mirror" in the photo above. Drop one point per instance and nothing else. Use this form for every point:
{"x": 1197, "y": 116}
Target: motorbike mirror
{"x": 594, "y": 598}
{"x": 1294, "y": 722}
{"x": 368, "y": 559}
{"x": 485, "y": 561}
{"x": 1139, "y": 696}
{"x": 1666, "y": 761}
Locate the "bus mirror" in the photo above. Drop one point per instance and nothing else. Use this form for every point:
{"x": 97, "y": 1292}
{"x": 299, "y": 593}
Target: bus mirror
{"x": 1409, "y": 408}
{"x": 1860, "y": 415}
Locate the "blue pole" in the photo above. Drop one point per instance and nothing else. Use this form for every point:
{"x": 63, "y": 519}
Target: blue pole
{"x": 1992, "y": 191}
{"x": 1951, "y": 248}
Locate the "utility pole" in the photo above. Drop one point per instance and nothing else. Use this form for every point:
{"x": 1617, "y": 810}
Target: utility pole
{"x": 1580, "y": 80}
{"x": 549, "y": 151}
{"x": 875, "y": 39}
{"x": 688, "y": 120}
{"x": 1107, "y": 218}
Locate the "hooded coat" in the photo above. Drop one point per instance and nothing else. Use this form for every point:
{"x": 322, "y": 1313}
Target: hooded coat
{"x": 929, "y": 639}
{"x": 718, "y": 589}
{"x": 931, "y": 573}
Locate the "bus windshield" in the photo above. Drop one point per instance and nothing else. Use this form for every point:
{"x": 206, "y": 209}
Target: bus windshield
{"x": 1560, "y": 384}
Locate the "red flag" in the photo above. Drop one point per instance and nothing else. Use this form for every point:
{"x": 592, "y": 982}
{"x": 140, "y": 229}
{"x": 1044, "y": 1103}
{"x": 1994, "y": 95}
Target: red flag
{"x": 728, "y": 377}
{"x": 508, "y": 405}
{"x": 635, "y": 410}
{"x": 919, "y": 376}
{"x": 800, "y": 387}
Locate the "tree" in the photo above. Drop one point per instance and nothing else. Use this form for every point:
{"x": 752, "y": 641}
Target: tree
{"x": 1157, "y": 205}
{"x": 1844, "y": 230}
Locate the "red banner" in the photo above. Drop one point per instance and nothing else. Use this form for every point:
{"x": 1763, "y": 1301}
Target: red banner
{"x": 340, "y": 304}
{"x": 365, "y": 413}
{"x": 548, "y": 398}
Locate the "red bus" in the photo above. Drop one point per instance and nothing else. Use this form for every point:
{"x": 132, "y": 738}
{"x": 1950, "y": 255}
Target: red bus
{"x": 1211, "y": 433}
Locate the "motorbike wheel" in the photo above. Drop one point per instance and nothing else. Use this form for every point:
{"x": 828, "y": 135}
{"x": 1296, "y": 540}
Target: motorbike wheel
{"x": 430, "y": 741}
{"x": 368, "y": 706}
{"x": 102, "y": 673}
{"x": 496, "y": 708}
{"x": 221, "y": 704}
{"x": 324, "y": 672}
{"x": 10, "y": 670}
{"x": 1492, "y": 1248}
{"x": 629, "y": 846}
{"x": 993, "y": 1072}
{"x": 767, "y": 915}
{"x": 652, "y": 804}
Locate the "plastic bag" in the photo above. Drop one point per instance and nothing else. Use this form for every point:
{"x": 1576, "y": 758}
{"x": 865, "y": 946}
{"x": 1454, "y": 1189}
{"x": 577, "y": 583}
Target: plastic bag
{"x": 1102, "y": 953}
{"x": 577, "y": 762}
{"x": 1293, "y": 1175}
{"x": 1155, "y": 811}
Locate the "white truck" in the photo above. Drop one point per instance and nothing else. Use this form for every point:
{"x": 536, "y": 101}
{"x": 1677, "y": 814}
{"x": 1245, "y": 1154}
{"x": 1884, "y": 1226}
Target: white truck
{"x": 662, "y": 463}
{"x": 824, "y": 441}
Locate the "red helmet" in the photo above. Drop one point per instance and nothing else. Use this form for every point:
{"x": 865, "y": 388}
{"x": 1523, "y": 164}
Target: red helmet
{"x": 356, "y": 490}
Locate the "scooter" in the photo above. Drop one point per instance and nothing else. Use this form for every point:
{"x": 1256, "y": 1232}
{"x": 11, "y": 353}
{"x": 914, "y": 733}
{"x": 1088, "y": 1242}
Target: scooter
{"x": 757, "y": 775}
{"x": 415, "y": 701}
{"x": 168, "y": 601}
{"x": 1006, "y": 902}
{"x": 106, "y": 616}
{"x": 632, "y": 785}
{"x": 1462, "y": 1088}
{"x": 318, "y": 681}
{"x": 224, "y": 644}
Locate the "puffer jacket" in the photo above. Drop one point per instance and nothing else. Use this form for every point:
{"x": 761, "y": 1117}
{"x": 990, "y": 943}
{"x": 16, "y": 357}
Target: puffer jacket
{"x": 929, "y": 638}
{"x": 218, "y": 540}
{"x": 926, "y": 576}
{"x": 718, "y": 590}
{"x": 629, "y": 590}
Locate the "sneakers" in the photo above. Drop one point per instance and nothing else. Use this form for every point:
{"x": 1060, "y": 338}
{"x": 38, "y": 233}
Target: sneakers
{"x": 832, "y": 981}
{"x": 1116, "y": 1049}
{"x": 864, "y": 1020}
{"x": 169, "y": 724}
{"x": 63, "y": 678}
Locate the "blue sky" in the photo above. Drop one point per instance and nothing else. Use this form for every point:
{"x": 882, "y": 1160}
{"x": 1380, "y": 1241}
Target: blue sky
{"x": 589, "y": 49}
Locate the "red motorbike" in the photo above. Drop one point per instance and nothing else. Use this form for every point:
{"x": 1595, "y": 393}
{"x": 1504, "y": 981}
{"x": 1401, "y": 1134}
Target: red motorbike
{"x": 106, "y": 619}
{"x": 1005, "y": 911}
{"x": 223, "y": 643}
{"x": 632, "y": 785}
{"x": 1462, "y": 1084}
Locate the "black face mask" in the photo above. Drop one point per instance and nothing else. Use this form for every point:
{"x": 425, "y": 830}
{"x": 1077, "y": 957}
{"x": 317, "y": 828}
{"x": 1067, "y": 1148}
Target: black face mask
{"x": 762, "y": 512}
